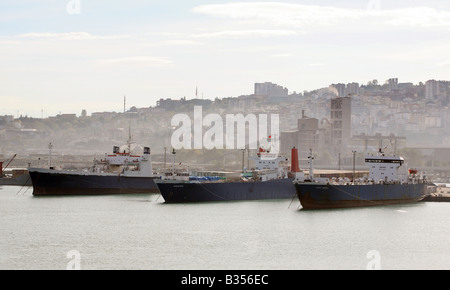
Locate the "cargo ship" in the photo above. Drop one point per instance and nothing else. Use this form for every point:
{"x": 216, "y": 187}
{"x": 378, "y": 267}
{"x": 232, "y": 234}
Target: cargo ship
{"x": 16, "y": 177}
{"x": 19, "y": 177}
{"x": 389, "y": 182}
{"x": 117, "y": 173}
{"x": 268, "y": 180}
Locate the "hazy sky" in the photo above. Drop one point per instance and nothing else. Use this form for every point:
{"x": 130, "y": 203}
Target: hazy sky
{"x": 68, "y": 55}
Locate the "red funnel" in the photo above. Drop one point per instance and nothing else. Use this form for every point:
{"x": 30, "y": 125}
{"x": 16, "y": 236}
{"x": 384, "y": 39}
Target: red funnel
{"x": 294, "y": 161}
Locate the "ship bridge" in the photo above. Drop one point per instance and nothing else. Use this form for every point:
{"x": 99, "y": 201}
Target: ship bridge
{"x": 386, "y": 168}
{"x": 386, "y": 160}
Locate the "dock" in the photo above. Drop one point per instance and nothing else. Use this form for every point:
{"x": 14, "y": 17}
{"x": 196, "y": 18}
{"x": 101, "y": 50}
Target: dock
{"x": 442, "y": 194}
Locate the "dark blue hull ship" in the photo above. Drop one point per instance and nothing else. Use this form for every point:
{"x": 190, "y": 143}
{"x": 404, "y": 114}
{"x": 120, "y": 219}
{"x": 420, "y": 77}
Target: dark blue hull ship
{"x": 389, "y": 182}
{"x": 325, "y": 196}
{"x": 181, "y": 192}
{"x": 268, "y": 180}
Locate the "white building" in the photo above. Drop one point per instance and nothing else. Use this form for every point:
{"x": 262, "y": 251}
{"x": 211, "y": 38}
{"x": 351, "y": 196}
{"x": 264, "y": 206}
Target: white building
{"x": 341, "y": 122}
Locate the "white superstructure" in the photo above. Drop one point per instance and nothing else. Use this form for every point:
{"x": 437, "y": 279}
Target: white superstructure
{"x": 387, "y": 168}
{"x": 128, "y": 164}
{"x": 267, "y": 165}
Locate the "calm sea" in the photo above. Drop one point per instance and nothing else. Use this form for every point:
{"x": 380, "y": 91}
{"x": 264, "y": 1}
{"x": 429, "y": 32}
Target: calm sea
{"x": 141, "y": 232}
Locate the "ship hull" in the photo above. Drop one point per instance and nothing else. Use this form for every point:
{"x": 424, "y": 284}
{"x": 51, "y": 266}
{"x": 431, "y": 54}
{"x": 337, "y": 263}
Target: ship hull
{"x": 22, "y": 180}
{"x": 326, "y": 196}
{"x": 179, "y": 192}
{"x": 46, "y": 183}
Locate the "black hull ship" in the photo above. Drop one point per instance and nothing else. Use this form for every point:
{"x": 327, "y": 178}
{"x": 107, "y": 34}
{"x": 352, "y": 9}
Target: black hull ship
{"x": 118, "y": 173}
{"x": 58, "y": 182}
{"x": 388, "y": 183}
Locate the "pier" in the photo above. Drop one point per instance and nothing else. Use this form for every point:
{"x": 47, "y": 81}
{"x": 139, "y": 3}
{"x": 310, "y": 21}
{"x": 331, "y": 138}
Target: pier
{"x": 442, "y": 194}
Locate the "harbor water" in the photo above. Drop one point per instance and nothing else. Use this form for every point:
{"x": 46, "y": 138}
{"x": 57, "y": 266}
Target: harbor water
{"x": 142, "y": 232}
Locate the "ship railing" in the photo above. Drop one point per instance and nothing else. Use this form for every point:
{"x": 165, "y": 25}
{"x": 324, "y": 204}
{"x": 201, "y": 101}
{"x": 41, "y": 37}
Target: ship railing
{"x": 417, "y": 180}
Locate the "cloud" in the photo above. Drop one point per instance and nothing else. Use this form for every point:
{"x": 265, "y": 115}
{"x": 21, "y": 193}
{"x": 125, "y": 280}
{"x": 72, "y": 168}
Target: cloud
{"x": 246, "y": 33}
{"x": 299, "y": 15}
{"x": 145, "y": 60}
{"x": 316, "y": 64}
{"x": 445, "y": 63}
{"x": 282, "y": 55}
{"x": 9, "y": 42}
{"x": 175, "y": 42}
{"x": 68, "y": 36}
{"x": 416, "y": 17}
{"x": 276, "y": 13}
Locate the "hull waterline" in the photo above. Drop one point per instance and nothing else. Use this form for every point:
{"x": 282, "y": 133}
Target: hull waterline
{"x": 326, "y": 196}
{"x": 56, "y": 183}
{"x": 228, "y": 191}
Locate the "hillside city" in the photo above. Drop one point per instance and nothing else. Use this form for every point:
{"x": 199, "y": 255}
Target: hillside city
{"x": 410, "y": 119}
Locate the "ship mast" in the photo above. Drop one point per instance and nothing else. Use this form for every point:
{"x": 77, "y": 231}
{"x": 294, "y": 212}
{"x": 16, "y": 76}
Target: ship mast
{"x": 173, "y": 164}
{"x": 311, "y": 169}
{"x": 50, "y": 147}
{"x": 130, "y": 139}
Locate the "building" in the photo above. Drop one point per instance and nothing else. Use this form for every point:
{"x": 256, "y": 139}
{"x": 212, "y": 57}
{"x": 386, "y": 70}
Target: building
{"x": 352, "y": 89}
{"x": 64, "y": 117}
{"x": 437, "y": 90}
{"x": 307, "y": 135}
{"x": 270, "y": 90}
{"x": 169, "y": 104}
{"x": 341, "y": 123}
{"x": 150, "y": 110}
{"x": 393, "y": 84}
{"x": 175, "y": 105}
{"x": 6, "y": 119}
{"x": 404, "y": 86}
{"x": 288, "y": 140}
{"x": 340, "y": 90}
{"x": 372, "y": 143}
{"x": 304, "y": 138}
{"x": 104, "y": 116}
{"x": 430, "y": 89}
{"x": 241, "y": 103}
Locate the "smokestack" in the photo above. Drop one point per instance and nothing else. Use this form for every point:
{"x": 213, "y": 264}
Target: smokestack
{"x": 294, "y": 161}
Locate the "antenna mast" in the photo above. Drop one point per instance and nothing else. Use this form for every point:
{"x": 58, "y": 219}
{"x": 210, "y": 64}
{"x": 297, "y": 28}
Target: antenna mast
{"x": 130, "y": 139}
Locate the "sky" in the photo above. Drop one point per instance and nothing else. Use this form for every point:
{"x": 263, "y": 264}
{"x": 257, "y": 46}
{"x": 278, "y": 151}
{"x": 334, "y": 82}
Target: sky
{"x": 63, "y": 56}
